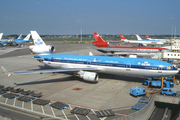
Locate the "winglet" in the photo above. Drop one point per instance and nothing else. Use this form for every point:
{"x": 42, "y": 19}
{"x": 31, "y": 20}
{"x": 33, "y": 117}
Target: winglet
{"x": 5, "y": 71}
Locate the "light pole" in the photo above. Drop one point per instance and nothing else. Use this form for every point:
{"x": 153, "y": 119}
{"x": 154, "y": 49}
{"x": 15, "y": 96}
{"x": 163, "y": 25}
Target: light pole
{"x": 81, "y": 35}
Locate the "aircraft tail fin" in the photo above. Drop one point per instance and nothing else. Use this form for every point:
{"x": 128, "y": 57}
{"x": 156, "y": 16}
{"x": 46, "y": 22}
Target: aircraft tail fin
{"x": 98, "y": 37}
{"x": 27, "y": 37}
{"x": 122, "y": 37}
{"x": 20, "y": 36}
{"x": 90, "y": 54}
{"x": 138, "y": 37}
{"x": 99, "y": 41}
{"x": 36, "y": 38}
{"x": 157, "y": 56}
{"x": 147, "y": 36}
{"x": 1, "y": 34}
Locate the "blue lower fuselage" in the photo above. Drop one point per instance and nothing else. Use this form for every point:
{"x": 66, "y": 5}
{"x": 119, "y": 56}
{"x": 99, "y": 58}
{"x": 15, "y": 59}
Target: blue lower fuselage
{"x": 113, "y": 65}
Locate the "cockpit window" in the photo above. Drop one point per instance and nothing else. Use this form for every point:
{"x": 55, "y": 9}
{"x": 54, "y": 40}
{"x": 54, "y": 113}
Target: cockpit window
{"x": 169, "y": 67}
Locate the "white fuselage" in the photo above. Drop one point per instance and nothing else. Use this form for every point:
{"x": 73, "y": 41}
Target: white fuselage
{"x": 146, "y": 42}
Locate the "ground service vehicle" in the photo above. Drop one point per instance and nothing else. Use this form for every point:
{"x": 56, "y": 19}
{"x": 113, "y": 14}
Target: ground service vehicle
{"x": 168, "y": 91}
{"x": 137, "y": 91}
{"x": 157, "y": 83}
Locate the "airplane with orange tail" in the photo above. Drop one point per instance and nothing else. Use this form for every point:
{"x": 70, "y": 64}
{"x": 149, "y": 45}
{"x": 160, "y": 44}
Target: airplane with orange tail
{"x": 99, "y": 41}
{"x": 163, "y": 40}
{"x": 124, "y": 50}
{"x": 140, "y": 41}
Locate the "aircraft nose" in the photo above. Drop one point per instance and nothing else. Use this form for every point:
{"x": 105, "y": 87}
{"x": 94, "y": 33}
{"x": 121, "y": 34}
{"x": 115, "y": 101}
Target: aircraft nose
{"x": 176, "y": 71}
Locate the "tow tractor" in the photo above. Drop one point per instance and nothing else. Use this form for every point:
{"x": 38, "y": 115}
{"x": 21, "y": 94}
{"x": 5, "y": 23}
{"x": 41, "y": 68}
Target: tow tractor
{"x": 168, "y": 82}
{"x": 138, "y": 91}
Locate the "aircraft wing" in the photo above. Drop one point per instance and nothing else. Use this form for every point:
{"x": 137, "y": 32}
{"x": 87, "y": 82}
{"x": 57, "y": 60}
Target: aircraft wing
{"x": 50, "y": 70}
{"x": 31, "y": 58}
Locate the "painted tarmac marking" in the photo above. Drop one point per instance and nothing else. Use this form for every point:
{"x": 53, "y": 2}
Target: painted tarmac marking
{"x": 22, "y": 68}
{"x": 16, "y": 63}
{"x": 83, "y": 106}
{"x": 6, "y": 51}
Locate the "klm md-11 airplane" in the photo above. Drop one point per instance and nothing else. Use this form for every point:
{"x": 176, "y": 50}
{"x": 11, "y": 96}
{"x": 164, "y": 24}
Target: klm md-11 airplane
{"x": 88, "y": 66}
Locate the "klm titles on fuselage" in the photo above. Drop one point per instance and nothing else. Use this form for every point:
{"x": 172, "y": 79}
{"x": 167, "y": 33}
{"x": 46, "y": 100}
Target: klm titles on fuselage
{"x": 95, "y": 60}
{"x": 112, "y": 61}
{"x": 151, "y": 68}
{"x": 79, "y": 59}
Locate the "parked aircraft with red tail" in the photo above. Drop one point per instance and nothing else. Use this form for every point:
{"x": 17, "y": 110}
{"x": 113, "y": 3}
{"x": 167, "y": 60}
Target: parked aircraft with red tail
{"x": 124, "y": 50}
{"x": 140, "y": 41}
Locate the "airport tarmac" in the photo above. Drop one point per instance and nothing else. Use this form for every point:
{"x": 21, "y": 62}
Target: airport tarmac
{"x": 111, "y": 92}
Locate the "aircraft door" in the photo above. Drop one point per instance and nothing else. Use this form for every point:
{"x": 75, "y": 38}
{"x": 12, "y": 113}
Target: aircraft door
{"x": 128, "y": 66}
{"x": 49, "y": 60}
{"x": 159, "y": 69}
{"x": 88, "y": 63}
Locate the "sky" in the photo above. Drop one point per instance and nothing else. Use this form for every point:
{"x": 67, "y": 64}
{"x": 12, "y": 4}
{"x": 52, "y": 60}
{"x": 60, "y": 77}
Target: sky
{"x": 68, "y": 17}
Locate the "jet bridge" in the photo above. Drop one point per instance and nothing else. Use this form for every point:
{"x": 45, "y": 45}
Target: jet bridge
{"x": 170, "y": 55}
{"x": 174, "y": 47}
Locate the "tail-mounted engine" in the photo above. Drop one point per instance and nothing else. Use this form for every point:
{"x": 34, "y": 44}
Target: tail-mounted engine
{"x": 45, "y": 49}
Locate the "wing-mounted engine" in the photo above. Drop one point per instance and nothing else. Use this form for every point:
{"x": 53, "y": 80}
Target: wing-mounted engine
{"x": 44, "y": 49}
{"x": 88, "y": 76}
{"x": 132, "y": 56}
{"x": 144, "y": 44}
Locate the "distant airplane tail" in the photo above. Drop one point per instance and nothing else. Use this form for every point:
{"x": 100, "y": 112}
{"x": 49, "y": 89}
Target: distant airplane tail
{"x": 138, "y": 37}
{"x": 147, "y": 36}
{"x": 27, "y": 37}
{"x": 122, "y": 37}
{"x": 20, "y": 37}
{"x": 99, "y": 41}
{"x": 98, "y": 37}
{"x": 1, "y": 34}
{"x": 37, "y": 39}
{"x": 39, "y": 46}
